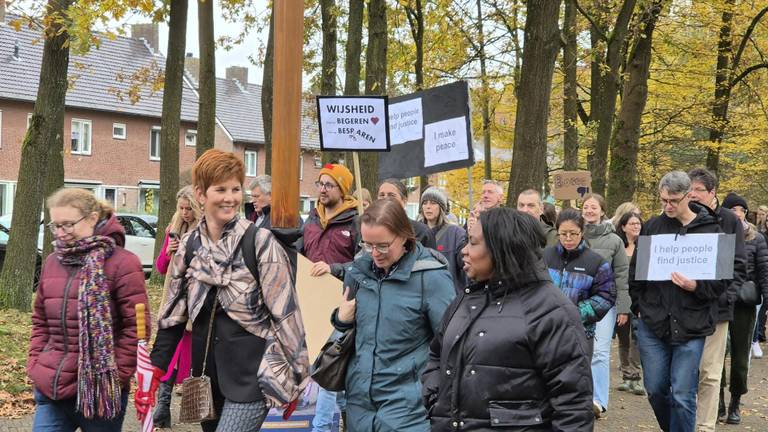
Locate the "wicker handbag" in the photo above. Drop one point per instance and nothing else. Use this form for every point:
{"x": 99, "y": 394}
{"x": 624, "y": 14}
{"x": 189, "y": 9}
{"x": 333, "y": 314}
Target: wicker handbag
{"x": 196, "y": 393}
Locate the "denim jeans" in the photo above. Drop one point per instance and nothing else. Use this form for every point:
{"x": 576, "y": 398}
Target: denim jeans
{"x": 62, "y": 416}
{"x": 326, "y": 408}
{"x": 601, "y": 358}
{"x": 671, "y": 377}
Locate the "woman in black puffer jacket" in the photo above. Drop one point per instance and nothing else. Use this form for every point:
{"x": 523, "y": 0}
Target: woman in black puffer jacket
{"x": 743, "y": 324}
{"x": 511, "y": 353}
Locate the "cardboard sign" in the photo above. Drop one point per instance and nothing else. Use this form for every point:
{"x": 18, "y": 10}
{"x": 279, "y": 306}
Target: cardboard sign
{"x": 353, "y": 123}
{"x": 430, "y": 132}
{"x": 571, "y": 185}
{"x": 318, "y": 297}
{"x": 696, "y": 256}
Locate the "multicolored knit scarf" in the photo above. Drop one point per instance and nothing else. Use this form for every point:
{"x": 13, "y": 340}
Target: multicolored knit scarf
{"x": 98, "y": 382}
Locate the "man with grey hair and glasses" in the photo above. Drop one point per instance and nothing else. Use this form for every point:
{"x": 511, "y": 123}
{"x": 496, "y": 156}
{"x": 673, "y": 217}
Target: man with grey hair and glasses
{"x": 492, "y": 194}
{"x": 257, "y": 211}
{"x": 675, "y": 315}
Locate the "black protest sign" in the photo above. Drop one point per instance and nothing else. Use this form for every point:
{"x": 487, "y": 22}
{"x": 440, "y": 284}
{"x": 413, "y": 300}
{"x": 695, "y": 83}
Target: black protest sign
{"x": 353, "y": 123}
{"x": 430, "y": 132}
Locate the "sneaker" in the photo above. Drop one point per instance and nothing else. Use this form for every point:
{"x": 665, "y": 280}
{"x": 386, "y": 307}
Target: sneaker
{"x": 757, "y": 352}
{"x": 636, "y": 387}
{"x": 625, "y": 386}
{"x": 597, "y": 409}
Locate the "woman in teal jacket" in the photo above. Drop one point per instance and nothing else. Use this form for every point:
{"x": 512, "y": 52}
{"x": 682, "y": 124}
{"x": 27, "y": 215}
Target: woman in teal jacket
{"x": 397, "y": 292}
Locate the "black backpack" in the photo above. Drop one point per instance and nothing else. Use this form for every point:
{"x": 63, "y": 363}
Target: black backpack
{"x": 287, "y": 237}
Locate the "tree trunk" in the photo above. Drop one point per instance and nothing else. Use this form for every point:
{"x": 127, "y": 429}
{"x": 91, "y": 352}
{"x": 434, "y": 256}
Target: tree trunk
{"x": 206, "y": 117}
{"x": 330, "y": 59}
{"x": 169, "y": 132}
{"x": 609, "y": 87}
{"x": 46, "y": 131}
{"x": 722, "y": 87}
{"x": 570, "y": 93}
{"x": 375, "y": 80}
{"x": 266, "y": 94}
{"x": 352, "y": 56}
{"x": 415, "y": 14}
{"x": 626, "y": 142}
{"x": 484, "y": 93}
{"x": 540, "y": 46}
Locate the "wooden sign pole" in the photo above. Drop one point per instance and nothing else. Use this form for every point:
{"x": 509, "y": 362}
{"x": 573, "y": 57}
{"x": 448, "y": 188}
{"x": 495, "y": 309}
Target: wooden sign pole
{"x": 358, "y": 182}
{"x": 286, "y": 112}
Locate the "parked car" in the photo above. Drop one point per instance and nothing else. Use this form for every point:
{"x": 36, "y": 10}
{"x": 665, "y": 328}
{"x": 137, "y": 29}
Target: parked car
{"x": 5, "y": 230}
{"x": 139, "y": 239}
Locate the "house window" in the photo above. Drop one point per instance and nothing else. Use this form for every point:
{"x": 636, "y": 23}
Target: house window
{"x": 6, "y": 198}
{"x": 119, "y": 131}
{"x": 154, "y": 143}
{"x": 318, "y": 162}
{"x": 29, "y": 119}
{"x": 251, "y": 159}
{"x": 110, "y": 196}
{"x": 149, "y": 198}
{"x": 81, "y": 137}
{"x": 190, "y": 138}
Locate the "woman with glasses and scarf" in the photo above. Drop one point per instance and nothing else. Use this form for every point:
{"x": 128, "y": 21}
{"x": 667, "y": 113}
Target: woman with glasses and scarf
{"x": 397, "y": 292}
{"x": 82, "y": 353}
{"x": 510, "y": 353}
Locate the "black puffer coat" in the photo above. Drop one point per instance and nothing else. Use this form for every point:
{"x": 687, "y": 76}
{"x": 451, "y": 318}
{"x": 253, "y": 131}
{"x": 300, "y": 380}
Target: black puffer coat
{"x": 756, "y": 249}
{"x": 510, "y": 357}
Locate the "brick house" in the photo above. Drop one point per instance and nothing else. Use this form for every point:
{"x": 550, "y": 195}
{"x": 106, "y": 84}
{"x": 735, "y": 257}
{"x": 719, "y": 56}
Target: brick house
{"x": 113, "y": 145}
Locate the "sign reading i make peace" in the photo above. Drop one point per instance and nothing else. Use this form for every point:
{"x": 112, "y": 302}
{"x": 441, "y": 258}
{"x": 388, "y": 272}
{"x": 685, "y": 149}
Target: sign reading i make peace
{"x": 695, "y": 256}
{"x": 429, "y": 131}
{"x": 353, "y": 123}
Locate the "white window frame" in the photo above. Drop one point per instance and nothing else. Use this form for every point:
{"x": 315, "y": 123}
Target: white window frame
{"x": 84, "y": 148}
{"x": 189, "y": 133}
{"x": 117, "y": 136}
{"x": 29, "y": 120}
{"x": 113, "y": 202}
{"x": 251, "y": 169}
{"x": 159, "y": 138}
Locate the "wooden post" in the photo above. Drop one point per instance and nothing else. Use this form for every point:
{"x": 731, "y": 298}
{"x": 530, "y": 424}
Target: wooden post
{"x": 286, "y": 112}
{"x": 358, "y": 182}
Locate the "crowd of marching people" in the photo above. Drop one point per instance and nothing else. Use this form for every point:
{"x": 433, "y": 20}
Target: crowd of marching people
{"x": 506, "y": 322}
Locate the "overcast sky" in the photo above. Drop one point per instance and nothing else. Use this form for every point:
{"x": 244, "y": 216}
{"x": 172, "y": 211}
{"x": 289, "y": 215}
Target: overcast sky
{"x": 238, "y": 55}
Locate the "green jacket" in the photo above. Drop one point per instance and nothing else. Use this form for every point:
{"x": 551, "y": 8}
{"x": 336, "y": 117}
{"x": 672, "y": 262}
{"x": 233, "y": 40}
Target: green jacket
{"x": 396, "y": 318}
{"x": 602, "y": 238}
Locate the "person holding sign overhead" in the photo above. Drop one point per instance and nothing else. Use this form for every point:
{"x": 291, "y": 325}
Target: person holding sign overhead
{"x": 674, "y": 315}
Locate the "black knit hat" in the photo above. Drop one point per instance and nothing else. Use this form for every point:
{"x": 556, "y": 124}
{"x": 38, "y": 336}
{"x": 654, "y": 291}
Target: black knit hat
{"x": 732, "y": 200}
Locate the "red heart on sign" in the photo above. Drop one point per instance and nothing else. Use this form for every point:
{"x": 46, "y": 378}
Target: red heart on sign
{"x": 375, "y": 120}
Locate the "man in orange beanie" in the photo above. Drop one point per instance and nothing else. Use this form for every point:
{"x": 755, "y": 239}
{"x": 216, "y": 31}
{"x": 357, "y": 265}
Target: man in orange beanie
{"x": 330, "y": 237}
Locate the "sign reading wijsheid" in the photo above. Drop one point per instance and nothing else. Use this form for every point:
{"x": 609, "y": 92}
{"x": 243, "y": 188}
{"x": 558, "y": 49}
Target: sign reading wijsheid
{"x": 353, "y": 123}
{"x": 430, "y": 132}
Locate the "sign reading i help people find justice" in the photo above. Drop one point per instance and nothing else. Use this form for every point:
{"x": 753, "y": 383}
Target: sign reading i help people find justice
{"x": 353, "y": 123}
{"x": 695, "y": 256}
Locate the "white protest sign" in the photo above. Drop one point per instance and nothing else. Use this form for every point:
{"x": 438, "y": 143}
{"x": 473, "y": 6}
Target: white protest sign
{"x": 692, "y": 255}
{"x": 353, "y": 123}
{"x": 445, "y": 141}
{"x": 406, "y": 121}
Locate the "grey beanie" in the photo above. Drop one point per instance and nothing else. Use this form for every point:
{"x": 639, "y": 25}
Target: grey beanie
{"x": 437, "y": 195}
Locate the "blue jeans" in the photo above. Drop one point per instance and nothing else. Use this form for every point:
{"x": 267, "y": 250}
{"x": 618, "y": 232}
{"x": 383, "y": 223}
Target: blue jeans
{"x": 326, "y": 408}
{"x": 671, "y": 377}
{"x": 62, "y": 416}
{"x": 601, "y": 358}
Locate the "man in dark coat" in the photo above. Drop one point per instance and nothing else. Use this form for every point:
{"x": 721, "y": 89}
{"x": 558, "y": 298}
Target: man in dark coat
{"x": 676, "y": 315}
{"x": 704, "y": 191}
{"x": 257, "y": 211}
{"x": 529, "y": 201}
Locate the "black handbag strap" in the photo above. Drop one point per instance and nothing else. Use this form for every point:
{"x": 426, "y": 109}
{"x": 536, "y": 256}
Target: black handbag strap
{"x": 210, "y": 330}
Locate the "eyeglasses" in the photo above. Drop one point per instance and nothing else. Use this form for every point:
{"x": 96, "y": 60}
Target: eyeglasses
{"x": 673, "y": 202}
{"x": 67, "y": 227}
{"x": 326, "y": 186}
{"x": 567, "y": 235}
{"x": 382, "y": 248}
